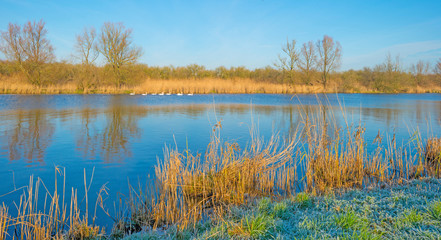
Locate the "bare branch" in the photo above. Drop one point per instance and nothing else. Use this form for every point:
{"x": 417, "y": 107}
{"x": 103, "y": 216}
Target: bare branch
{"x": 329, "y": 53}
{"x": 115, "y": 44}
{"x": 288, "y": 61}
{"x": 85, "y": 46}
{"x": 307, "y": 60}
{"x": 438, "y": 67}
{"x": 29, "y": 47}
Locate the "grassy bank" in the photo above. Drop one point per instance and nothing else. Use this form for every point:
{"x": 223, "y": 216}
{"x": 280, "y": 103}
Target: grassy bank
{"x": 200, "y": 86}
{"x": 411, "y": 210}
{"x": 274, "y": 187}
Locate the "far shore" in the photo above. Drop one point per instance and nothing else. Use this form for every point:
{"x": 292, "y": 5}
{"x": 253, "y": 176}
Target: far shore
{"x": 200, "y": 86}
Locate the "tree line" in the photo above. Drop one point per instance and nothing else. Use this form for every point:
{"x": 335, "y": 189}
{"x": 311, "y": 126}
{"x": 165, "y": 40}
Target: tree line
{"x": 30, "y": 55}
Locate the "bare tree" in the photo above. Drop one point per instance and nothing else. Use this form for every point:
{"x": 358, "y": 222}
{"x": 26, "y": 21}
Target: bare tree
{"x": 390, "y": 66}
{"x": 10, "y": 45}
{"x": 419, "y": 70}
{"x": 288, "y": 61}
{"x": 85, "y": 46}
{"x": 87, "y": 53}
{"x": 28, "y": 47}
{"x": 438, "y": 67}
{"x": 329, "y": 53}
{"x": 115, "y": 44}
{"x": 307, "y": 61}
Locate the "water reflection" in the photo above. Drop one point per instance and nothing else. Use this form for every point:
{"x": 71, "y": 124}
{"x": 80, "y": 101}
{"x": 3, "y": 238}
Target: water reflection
{"x": 121, "y": 126}
{"x": 86, "y": 139}
{"x": 29, "y": 136}
{"x": 108, "y": 134}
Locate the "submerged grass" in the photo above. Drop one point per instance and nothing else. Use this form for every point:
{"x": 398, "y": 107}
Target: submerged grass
{"x": 253, "y": 192}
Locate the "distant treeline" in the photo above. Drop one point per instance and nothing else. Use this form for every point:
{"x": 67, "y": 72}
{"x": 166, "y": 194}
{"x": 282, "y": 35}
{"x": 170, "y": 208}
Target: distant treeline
{"x": 30, "y": 59}
{"x": 377, "y": 79}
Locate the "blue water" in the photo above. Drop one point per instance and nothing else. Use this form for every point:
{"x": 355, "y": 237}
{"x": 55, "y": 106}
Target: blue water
{"x": 122, "y": 137}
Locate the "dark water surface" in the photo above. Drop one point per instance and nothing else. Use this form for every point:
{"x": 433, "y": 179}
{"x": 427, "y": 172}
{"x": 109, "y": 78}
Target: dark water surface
{"x": 122, "y": 137}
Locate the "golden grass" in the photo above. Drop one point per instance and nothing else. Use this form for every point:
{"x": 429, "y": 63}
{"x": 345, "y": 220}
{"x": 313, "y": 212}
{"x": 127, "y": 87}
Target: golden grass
{"x": 16, "y": 85}
{"x": 47, "y": 218}
{"x": 213, "y": 85}
{"x": 187, "y": 185}
{"x": 200, "y": 86}
{"x": 432, "y": 156}
{"x": 339, "y": 159}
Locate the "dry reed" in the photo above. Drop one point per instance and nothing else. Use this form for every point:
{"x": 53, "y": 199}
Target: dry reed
{"x": 188, "y": 186}
{"x": 14, "y": 85}
{"x": 47, "y": 218}
{"x": 432, "y": 156}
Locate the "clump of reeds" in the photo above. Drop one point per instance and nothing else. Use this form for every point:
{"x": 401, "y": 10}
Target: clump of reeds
{"x": 432, "y": 156}
{"x": 335, "y": 156}
{"x": 336, "y": 163}
{"x": 188, "y": 188}
{"x": 47, "y": 218}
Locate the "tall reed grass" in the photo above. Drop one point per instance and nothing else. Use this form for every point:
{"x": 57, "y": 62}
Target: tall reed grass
{"x": 16, "y": 85}
{"x": 51, "y": 217}
{"x": 200, "y": 86}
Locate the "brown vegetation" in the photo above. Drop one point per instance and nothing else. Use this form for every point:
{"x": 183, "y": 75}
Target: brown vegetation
{"x": 29, "y": 48}
{"x": 81, "y": 79}
{"x": 115, "y": 44}
{"x": 432, "y": 156}
{"x": 329, "y": 55}
{"x": 51, "y": 217}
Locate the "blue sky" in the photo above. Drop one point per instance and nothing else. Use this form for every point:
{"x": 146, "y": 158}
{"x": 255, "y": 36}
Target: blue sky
{"x": 245, "y": 33}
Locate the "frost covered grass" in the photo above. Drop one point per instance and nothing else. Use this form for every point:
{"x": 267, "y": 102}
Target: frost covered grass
{"x": 411, "y": 210}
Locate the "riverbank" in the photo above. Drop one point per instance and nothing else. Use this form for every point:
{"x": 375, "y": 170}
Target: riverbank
{"x": 201, "y": 86}
{"x": 411, "y": 210}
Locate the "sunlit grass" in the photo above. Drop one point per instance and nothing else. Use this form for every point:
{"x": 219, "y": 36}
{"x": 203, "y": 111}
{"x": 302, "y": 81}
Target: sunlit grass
{"x": 434, "y": 210}
{"x": 207, "y": 85}
{"x": 173, "y": 86}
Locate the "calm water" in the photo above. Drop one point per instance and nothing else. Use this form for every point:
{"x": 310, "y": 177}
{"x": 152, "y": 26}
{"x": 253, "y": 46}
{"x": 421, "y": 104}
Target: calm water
{"x": 122, "y": 137}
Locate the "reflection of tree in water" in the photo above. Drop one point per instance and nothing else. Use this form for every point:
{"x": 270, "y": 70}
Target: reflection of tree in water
{"x": 120, "y": 121}
{"x": 110, "y": 143}
{"x": 416, "y": 112}
{"x": 121, "y": 126}
{"x": 30, "y": 136}
{"x": 86, "y": 139}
